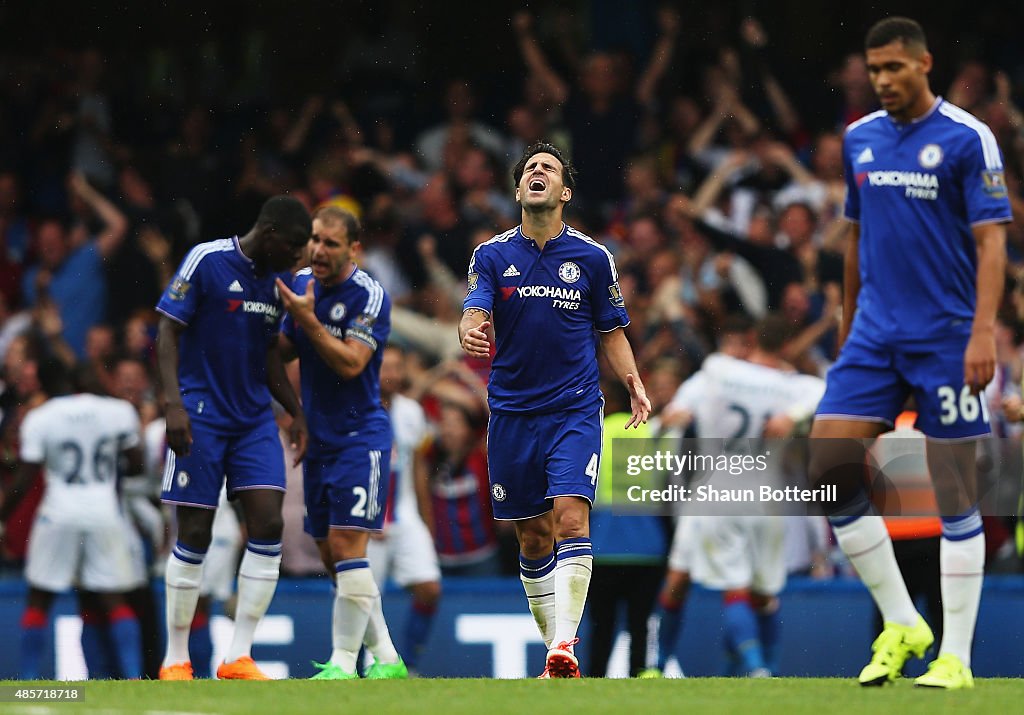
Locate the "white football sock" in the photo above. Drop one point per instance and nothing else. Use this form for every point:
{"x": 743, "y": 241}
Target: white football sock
{"x": 866, "y": 543}
{"x": 353, "y": 602}
{"x": 538, "y": 577}
{"x": 962, "y": 567}
{"x": 181, "y": 586}
{"x": 257, "y": 581}
{"x": 573, "y": 567}
{"x": 378, "y": 638}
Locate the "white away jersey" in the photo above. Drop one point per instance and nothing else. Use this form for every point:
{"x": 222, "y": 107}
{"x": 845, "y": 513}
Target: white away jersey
{"x": 78, "y": 439}
{"x": 732, "y": 399}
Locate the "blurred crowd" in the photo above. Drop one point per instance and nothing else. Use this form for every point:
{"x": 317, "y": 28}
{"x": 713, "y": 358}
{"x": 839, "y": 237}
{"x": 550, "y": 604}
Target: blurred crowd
{"x": 721, "y": 202}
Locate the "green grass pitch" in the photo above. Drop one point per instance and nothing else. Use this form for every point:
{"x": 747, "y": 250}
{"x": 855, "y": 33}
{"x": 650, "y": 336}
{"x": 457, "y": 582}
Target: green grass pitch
{"x": 789, "y": 696}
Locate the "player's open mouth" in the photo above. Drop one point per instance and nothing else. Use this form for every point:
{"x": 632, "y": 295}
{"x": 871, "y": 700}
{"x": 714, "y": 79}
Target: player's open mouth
{"x": 537, "y": 185}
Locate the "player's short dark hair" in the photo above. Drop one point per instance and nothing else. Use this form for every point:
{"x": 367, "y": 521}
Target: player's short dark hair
{"x": 285, "y": 213}
{"x": 86, "y": 378}
{"x": 773, "y": 330}
{"x": 336, "y": 214}
{"x": 736, "y": 324}
{"x": 895, "y": 29}
{"x": 54, "y": 377}
{"x": 568, "y": 170}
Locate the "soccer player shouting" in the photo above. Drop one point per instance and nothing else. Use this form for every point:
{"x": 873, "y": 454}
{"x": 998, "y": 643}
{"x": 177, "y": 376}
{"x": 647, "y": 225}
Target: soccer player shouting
{"x": 338, "y": 322}
{"x": 925, "y": 258}
{"x": 552, "y": 295}
{"x": 219, "y": 365}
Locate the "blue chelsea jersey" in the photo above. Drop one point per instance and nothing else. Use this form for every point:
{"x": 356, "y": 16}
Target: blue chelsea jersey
{"x": 916, "y": 190}
{"x": 340, "y": 410}
{"x": 545, "y": 306}
{"x": 232, "y": 317}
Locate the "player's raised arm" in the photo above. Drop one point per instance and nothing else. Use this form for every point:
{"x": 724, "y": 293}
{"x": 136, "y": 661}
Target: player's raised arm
{"x": 347, "y": 356}
{"x": 980, "y": 356}
{"x": 620, "y": 358}
{"x": 179, "y": 427}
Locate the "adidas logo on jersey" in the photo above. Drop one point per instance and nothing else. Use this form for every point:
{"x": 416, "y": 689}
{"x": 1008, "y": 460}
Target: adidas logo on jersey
{"x": 235, "y": 287}
{"x": 865, "y": 156}
{"x": 510, "y": 271}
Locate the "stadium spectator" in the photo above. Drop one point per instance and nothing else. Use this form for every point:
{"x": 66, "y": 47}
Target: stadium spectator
{"x": 71, "y": 264}
{"x": 452, "y": 468}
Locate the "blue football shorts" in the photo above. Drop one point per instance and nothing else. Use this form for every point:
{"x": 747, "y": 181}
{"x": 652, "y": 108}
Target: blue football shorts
{"x": 348, "y": 488}
{"x": 872, "y": 382}
{"x": 531, "y": 459}
{"x": 249, "y": 460}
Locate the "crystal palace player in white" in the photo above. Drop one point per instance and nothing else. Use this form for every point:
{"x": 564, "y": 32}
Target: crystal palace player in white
{"x": 552, "y": 295}
{"x": 79, "y": 537}
{"x": 926, "y": 203}
{"x": 741, "y": 554}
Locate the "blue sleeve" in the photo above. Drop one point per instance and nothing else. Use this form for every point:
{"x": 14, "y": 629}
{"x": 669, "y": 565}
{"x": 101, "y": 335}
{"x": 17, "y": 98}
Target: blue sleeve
{"x": 480, "y": 284}
{"x": 984, "y": 183}
{"x": 287, "y": 324}
{"x": 372, "y": 324}
{"x": 851, "y": 210}
{"x": 288, "y": 327}
{"x": 182, "y": 297}
{"x": 382, "y": 328}
{"x": 606, "y": 301}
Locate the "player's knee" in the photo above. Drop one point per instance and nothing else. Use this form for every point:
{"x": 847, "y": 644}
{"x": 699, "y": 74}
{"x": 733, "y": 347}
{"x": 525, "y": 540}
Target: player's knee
{"x": 195, "y": 536}
{"x": 268, "y": 528}
{"x": 571, "y": 525}
{"x": 535, "y": 544}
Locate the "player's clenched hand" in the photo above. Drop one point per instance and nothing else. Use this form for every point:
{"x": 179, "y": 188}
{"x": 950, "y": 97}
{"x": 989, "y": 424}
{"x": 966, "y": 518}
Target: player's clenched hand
{"x": 298, "y": 435}
{"x": 980, "y": 360}
{"x": 475, "y": 341}
{"x": 293, "y": 302}
{"x": 638, "y": 401}
{"x": 179, "y": 431}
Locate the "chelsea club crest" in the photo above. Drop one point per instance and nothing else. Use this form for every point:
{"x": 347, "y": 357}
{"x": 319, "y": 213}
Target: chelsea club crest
{"x": 930, "y": 156}
{"x": 569, "y": 272}
{"x": 337, "y": 312}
